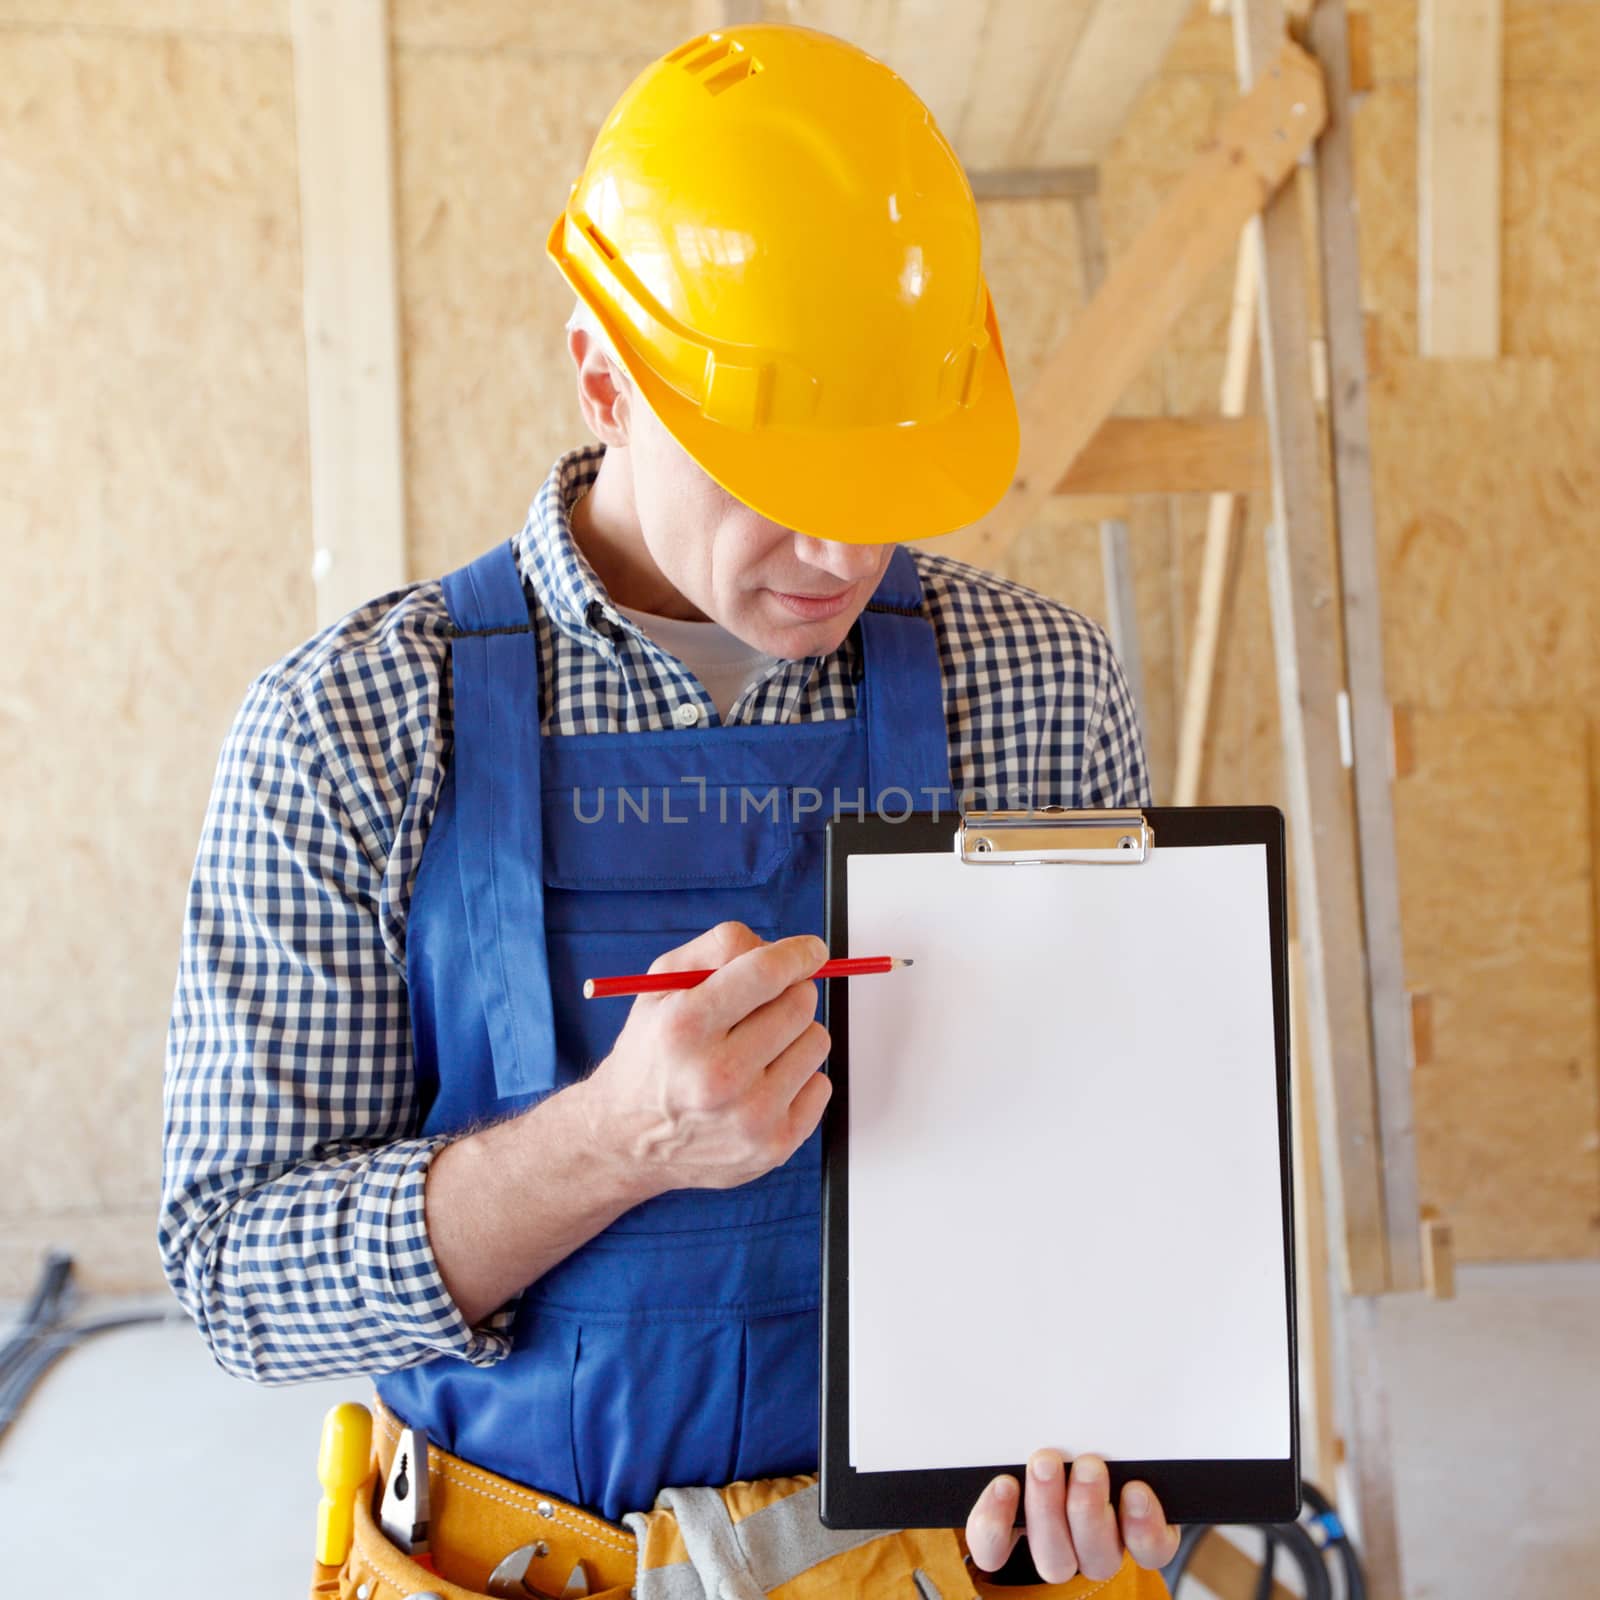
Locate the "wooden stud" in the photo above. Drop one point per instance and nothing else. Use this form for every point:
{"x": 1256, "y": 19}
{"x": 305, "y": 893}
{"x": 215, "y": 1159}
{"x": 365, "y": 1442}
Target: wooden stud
{"x": 1361, "y": 79}
{"x": 1403, "y": 748}
{"x": 1172, "y": 455}
{"x": 1122, "y": 613}
{"x": 1116, "y": 556}
{"x": 1256, "y": 148}
{"x": 1222, "y": 1568}
{"x": 1458, "y": 111}
{"x": 1438, "y": 1255}
{"x": 1367, "y": 1500}
{"x": 1034, "y": 183}
{"x": 341, "y": 66}
{"x": 1421, "y": 1030}
{"x": 1361, "y": 596}
{"x": 1313, "y": 1280}
{"x": 1303, "y": 593}
{"x": 1224, "y": 519}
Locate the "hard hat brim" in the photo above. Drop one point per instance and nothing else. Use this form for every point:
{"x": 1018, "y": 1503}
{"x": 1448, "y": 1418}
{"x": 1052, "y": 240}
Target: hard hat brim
{"x": 858, "y": 486}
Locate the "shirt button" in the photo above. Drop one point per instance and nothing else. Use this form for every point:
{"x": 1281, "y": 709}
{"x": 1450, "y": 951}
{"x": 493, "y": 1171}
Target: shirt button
{"x": 687, "y": 714}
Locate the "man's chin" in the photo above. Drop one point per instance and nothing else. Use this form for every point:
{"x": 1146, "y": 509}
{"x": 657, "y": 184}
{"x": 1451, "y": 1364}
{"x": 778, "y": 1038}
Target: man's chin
{"x": 806, "y": 638}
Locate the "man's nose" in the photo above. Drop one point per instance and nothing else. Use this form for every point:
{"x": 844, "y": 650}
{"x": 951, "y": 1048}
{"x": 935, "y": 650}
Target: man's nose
{"x": 851, "y": 562}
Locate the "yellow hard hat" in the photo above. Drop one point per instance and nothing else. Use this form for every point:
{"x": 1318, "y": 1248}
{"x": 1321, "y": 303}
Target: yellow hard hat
{"x": 785, "y": 252}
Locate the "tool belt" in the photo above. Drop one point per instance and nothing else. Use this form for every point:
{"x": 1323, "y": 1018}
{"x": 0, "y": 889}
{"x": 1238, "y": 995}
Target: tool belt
{"x": 492, "y": 1536}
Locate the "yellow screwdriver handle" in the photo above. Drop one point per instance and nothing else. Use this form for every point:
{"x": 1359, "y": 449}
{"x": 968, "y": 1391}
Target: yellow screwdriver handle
{"x": 342, "y": 1465}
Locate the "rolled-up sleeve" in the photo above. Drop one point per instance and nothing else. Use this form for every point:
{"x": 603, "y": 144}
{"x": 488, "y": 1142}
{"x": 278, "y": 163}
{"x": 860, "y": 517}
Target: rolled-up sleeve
{"x": 292, "y": 1226}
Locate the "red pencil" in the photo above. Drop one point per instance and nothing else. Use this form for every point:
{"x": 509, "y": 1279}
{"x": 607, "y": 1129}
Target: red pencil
{"x": 655, "y": 982}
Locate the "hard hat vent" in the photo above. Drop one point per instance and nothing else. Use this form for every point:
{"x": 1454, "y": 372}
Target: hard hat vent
{"x": 717, "y": 61}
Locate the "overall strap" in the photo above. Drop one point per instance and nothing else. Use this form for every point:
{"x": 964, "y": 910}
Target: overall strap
{"x": 907, "y": 744}
{"x": 495, "y": 677}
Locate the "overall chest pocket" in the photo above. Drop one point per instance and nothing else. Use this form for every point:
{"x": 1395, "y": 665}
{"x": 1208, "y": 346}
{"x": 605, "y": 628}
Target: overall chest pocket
{"x": 632, "y": 873}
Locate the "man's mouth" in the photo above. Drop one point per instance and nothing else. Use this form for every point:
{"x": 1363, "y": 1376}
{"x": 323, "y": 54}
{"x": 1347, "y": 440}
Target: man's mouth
{"x": 814, "y": 607}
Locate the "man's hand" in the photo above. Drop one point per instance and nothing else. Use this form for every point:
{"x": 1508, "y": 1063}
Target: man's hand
{"x": 1092, "y": 1544}
{"x": 709, "y": 1087}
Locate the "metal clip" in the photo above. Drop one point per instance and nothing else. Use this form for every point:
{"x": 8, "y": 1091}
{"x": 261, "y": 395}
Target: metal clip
{"x": 1052, "y": 834}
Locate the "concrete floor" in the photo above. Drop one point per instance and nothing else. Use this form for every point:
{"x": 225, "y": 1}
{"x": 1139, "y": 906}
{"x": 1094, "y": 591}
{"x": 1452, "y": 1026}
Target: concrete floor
{"x": 140, "y": 1466}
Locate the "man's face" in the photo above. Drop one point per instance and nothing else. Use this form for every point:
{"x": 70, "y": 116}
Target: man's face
{"x": 781, "y": 591}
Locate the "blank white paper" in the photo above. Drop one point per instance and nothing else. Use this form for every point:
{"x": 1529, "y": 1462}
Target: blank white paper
{"x": 1065, "y": 1217}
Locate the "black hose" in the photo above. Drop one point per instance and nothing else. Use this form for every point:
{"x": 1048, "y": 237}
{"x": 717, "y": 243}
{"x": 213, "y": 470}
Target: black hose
{"x": 1305, "y": 1542}
{"x": 1328, "y": 1532}
{"x": 41, "y": 1313}
{"x": 40, "y": 1339}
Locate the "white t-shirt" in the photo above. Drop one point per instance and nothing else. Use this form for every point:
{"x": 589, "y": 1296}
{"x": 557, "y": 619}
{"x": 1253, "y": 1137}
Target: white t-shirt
{"x": 723, "y": 663}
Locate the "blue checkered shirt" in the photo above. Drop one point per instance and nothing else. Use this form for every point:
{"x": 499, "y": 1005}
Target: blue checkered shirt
{"x": 292, "y": 1224}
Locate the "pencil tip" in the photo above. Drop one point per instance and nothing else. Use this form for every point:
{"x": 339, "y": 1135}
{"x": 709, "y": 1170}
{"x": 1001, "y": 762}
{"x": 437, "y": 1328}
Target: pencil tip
{"x": 588, "y": 988}
{"x": 906, "y": 961}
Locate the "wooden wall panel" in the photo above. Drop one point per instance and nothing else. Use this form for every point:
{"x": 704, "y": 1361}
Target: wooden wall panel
{"x": 1546, "y": 41}
{"x": 154, "y": 522}
{"x": 1486, "y": 477}
{"x": 194, "y": 18}
{"x": 546, "y": 29}
{"x": 489, "y": 391}
{"x": 1385, "y": 130}
{"x": 1551, "y": 153}
{"x": 1459, "y": 186}
{"x": 1496, "y": 876}
{"x": 156, "y": 475}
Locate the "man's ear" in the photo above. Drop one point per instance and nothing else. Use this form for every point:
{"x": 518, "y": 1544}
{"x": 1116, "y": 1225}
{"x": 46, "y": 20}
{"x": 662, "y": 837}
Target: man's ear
{"x": 604, "y": 394}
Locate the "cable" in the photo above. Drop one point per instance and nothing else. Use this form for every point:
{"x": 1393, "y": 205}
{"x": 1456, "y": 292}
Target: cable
{"x": 40, "y": 1339}
{"x": 1306, "y": 1541}
{"x": 41, "y": 1313}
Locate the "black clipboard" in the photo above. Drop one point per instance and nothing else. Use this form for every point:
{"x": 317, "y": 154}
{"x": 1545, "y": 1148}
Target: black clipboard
{"x": 1191, "y": 1489}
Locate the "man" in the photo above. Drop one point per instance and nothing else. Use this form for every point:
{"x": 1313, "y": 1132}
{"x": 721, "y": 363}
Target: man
{"x": 581, "y": 1250}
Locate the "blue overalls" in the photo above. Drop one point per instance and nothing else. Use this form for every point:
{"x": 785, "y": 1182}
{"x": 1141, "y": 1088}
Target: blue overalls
{"x": 679, "y": 1346}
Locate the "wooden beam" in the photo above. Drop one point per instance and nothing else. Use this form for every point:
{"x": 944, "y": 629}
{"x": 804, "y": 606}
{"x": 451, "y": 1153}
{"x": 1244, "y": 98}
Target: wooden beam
{"x": 1256, "y": 148}
{"x": 1220, "y": 1566}
{"x": 1117, "y": 53}
{"x": 1304, "y": 591}
{"x": 341, "y": 67}
{"x": 1361, "y": 593}
{"x": 1223, "y": 522}
{"x": 1438, "y": 1256}
{"x": 1313, "y": 1281}
{"x": 1171, "y": 455}
{"x": 1458, "y": 145}
{"x": 1122, "y": 612}
{"x": 1034, "y": 183}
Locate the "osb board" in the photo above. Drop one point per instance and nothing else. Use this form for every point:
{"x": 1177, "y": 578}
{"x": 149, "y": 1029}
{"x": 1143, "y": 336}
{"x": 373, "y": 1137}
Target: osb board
{"x": 558, "y": 27}
{"x": 1544, "y": 41}
{"x": 192, "y": 17}
{"x": 1550, "y": 296}
{"x": 155, "y": 527}
{"x": 1493, "y": 835}
{"x": 1486, "y": 477}
{"x": 1385, "y": 141}
{"x": 489, "y": 394}
{"x": 113, "y": 1251}
{"x": 1550, "y": 293}
{"x": 627, "y": 28}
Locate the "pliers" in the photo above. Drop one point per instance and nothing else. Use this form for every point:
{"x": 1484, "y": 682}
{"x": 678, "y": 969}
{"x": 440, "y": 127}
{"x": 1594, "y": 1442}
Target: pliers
{"x": 403, "y": 1513}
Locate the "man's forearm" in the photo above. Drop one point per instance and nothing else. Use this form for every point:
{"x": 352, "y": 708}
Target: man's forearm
{"x": 504, "y": 1205}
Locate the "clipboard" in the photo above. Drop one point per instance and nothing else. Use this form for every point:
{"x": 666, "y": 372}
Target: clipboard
{"x": 1097, "y": 1038}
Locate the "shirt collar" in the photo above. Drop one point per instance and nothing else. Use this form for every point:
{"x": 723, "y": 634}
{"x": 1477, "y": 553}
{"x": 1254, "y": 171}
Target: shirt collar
{"x": 551, "y": 562}
{"x": 568, "y": 587}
